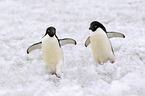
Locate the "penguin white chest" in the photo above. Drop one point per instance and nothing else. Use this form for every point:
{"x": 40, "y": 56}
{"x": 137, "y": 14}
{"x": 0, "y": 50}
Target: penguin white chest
{"x": 51, "y": 51}
{"x": 101, "y": 47}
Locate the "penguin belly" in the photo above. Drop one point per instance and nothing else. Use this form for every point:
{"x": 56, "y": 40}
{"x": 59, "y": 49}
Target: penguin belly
{"x": 52, "y": 53}
{"x": 101, "y": 47}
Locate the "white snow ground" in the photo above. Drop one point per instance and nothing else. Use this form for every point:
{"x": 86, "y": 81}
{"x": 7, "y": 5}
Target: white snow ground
{"x": 23, "y": 22}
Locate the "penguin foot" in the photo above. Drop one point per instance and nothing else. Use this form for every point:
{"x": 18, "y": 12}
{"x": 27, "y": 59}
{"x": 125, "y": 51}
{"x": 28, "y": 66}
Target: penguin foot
{"x": 57, "y": 75}
{"x": 112, "y": 59}
{"x": 112, "y": 62}
{"x": 98, "y": 62}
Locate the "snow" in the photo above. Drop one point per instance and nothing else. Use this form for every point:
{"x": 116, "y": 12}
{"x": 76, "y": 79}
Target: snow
{"x": 23, "y": 22}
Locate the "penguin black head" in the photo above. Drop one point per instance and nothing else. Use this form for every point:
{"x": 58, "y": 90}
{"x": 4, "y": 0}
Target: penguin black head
{"x": 50, "y": 31}
{"x": 95, "y": 25}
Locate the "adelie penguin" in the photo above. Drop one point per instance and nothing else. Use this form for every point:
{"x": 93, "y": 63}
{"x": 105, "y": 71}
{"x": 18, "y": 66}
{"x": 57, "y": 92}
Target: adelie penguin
{"x": 101, "y": 46}
{"x": 51, "y": 49}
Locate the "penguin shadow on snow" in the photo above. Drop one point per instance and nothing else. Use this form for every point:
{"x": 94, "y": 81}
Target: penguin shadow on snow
{"x": 101, "y": 46}
{"x": 52, "y": 50}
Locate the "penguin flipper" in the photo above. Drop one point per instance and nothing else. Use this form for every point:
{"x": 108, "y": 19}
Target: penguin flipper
{"x": 34, "y": 46}
{"x": 115, "y": 34}
{"x": 87, "y": 42}
{"x": 67, "y": 41}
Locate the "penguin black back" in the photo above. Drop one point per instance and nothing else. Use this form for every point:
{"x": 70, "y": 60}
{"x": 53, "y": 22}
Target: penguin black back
{"x": 95, "y": 25}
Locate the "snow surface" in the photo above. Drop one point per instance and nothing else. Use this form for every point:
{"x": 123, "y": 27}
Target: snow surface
{"x": 23, "y": 22}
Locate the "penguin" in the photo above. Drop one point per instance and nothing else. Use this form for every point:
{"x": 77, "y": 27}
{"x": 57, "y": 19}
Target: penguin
{"x": 51, "y": 50}
{"x": 100, "y": 44}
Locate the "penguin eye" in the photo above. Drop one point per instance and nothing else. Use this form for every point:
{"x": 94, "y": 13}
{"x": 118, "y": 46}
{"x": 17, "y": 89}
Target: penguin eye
{"x": 95, "y": 26}
{"x": 48, "y": 31}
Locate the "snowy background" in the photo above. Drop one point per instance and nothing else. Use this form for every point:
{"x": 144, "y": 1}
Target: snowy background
{"x": 23, "y": 23}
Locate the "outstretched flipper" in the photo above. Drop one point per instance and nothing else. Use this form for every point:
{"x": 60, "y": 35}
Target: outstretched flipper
{"x": 67, "y": 41}
{"x": 87, "y": 42}
{"x": 109, "y": 34}
{"x": 115, "y": 34}
{"x": 34, "y": 46}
